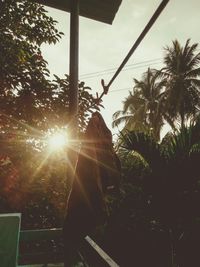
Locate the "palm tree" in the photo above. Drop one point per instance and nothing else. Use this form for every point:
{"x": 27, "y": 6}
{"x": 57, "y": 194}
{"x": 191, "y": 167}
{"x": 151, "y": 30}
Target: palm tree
{"x": 183, "y": 74}
{"x": 172, "y": 185}
{"x": 142, "y": 109}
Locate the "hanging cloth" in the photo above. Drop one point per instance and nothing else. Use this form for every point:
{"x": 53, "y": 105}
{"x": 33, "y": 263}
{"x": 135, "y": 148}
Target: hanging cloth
{"x": 97, "y": 173}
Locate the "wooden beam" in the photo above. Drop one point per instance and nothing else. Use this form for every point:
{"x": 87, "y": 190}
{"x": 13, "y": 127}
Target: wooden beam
{"x": 73, "y": 67}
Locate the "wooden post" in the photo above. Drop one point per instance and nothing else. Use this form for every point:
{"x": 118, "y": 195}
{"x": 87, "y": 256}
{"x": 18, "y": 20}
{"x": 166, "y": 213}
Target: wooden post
{"x": 73, "y": 88}
{"x": 73, "y": 67}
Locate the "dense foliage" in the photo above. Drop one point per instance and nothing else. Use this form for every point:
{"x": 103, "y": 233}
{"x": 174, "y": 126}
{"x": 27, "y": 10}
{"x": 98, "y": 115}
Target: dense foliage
{"x": 158, "y": 214}
{"x": 170, "y": 95}
{"x": 142, "y": 109}
{"x": 182, "y": 71}
{"x": 33, "y": 180}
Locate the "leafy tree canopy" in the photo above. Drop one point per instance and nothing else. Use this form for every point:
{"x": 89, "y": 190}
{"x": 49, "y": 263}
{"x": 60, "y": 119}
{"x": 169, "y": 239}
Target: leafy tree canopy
{"x": 31, "y": 104}
{"x": 28, "y": 98}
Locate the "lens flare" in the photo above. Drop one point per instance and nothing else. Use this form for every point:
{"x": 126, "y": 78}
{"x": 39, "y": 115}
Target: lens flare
{"x": 57, "y": 141}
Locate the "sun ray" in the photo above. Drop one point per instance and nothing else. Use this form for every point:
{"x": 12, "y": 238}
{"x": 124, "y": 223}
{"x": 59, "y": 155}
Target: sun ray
{"x": 87, "y": 146}
{"x": 22, "y": 123}
{"x": 41, "y": 165}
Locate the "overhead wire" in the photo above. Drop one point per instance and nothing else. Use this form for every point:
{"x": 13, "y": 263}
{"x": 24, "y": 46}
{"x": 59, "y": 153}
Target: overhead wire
{"x": 120, "y": 89}
{"x": 130, "y": 88}
{"x": 136, "y": 65}
{"x": 127, "y": 67}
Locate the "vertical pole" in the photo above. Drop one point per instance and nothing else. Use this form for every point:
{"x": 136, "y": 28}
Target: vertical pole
{"x": 73, "y": 67}
{"x": 73, "y": 86}
{"x": 69, "y": 246}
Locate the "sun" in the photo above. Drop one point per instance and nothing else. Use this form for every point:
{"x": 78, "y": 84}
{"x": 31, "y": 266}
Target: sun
{"x": 57, "y": 141}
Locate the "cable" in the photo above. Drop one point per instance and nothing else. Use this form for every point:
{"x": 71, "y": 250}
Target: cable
{"x": 107, "y": 73}
{"x": 121, "y": 89}
{"x": 113, "y": 69}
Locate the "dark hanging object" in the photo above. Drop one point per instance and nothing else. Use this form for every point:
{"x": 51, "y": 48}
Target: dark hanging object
{"x": 97, "y": 173}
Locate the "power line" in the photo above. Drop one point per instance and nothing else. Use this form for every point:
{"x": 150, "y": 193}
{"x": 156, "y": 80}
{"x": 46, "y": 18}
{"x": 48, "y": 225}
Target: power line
{"x": 130, "y": 88}
{"x": 151, "y": 62}
{"x": 121, "y": 89}
{"x": 129, "y": 65}
{"x": 127, "y": 69}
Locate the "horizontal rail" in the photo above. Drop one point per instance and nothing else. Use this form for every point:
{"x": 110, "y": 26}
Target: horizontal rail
{"x": 41, "y": 256}
{"x": 89, "y": 250}
{"x": 41, "y": 234}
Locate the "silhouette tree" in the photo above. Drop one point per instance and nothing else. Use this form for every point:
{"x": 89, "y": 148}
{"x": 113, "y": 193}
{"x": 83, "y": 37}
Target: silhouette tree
{"x": 30, "y": 104}
{"x": 172, "y": 184}
{"x": 143, "y": 108}
{"x": 182, "y": 72}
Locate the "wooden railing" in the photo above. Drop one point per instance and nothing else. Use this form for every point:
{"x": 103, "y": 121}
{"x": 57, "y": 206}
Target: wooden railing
{"x": 36, "y": 246}
{"x": 90, "y": 253}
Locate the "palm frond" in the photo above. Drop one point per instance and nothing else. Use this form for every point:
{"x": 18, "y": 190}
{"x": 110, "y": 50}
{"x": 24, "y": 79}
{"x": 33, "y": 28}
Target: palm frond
{"x": 144, "y": 144}
{"x": 117, "y": 114}
{"x": 193, "y": 73}
{"x": 120, "y": 120}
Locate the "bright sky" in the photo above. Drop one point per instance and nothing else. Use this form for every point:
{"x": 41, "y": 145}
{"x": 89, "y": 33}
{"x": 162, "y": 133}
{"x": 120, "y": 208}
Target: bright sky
{"x": 103, "y": 47}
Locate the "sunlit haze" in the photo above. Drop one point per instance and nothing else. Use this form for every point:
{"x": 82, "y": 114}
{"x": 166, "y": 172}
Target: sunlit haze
{"x": 57, "y": 141}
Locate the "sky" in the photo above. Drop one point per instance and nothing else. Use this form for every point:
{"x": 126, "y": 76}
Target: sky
{"x": 102, "y": 47}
